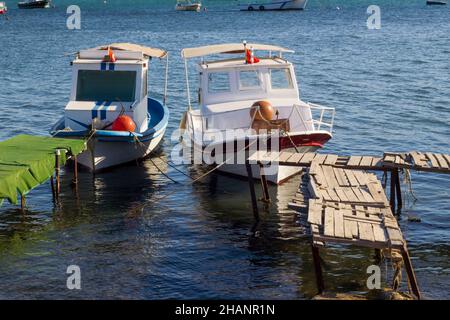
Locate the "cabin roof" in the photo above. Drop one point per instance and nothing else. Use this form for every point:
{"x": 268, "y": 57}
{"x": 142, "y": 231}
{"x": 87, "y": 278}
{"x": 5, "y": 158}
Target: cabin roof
{"x": 229, "y": 48}
{"x": 240, "y": 63}
{"x": 147, "y": 51}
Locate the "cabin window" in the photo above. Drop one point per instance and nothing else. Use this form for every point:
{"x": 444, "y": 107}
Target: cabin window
{"x": 95, "y": 85}
{"x": 249, "y": 79}
{"x": 218, "y": 82}
{"x": 281, "y": 78}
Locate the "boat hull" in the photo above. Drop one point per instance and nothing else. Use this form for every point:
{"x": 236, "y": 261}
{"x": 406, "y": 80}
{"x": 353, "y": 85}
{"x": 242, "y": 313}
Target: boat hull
{"x": 34, "y": 5}
{"x": 108, "y": 148}
{"x": 102, "y": 155}
{"x": 276, "y": 5}
{"x": 192, "y": 7}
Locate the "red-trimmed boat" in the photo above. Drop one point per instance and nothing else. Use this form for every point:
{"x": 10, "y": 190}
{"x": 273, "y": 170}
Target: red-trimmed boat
{"x": 246, "y": 98}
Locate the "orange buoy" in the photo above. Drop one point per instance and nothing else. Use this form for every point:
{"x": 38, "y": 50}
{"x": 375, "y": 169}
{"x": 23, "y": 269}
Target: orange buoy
{"x": 124, "y": 123}
{"x": 266, "y": 111}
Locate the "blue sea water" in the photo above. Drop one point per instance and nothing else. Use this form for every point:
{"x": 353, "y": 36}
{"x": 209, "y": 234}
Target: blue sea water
{"x": 391, "y": 91}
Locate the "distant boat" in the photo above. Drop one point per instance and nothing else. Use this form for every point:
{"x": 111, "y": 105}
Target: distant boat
{"x": 436, "y": 2}
{"x": 187, "y": 5}
{"x": 3, "y": 8}
{"x": 34, "y": 4}
{"x": 274, "y": 5}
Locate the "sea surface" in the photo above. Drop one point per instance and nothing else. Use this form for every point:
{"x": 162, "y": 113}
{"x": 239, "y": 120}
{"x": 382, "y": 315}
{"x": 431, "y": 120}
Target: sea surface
{"x": 135, "y": 234}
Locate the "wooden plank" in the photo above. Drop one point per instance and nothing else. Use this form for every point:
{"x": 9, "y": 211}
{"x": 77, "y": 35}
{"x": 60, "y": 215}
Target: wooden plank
{"x": 296, "y": 158}
{"x": 338, "y": 224}
{"x": 375, "y": 193}
{"x": 350, "y": 229}
{"x": 433, "y": 160}
{"x": 256, "y": 156}
{"x": 442, "y": 163}
{"x": 447, "y": 157}
{"x": 376, "y": 162}
{"x": 329, "y": 172}
{"x": 419, "y": 159}
{"x": 351, "y": 178}
{"x": 341, "y": 194}
{"x": 389, "y": 158}
{"x": 331, "y": 159}
{"x": 329, "y": 222}
{"x": 307, "y": 158}
{"x": 325, "y": 195}
{"x": 366, "y": 161}
{"x": 367, "y": 195}
{"x": 365, "y": 231}
{"x": 361, "y": 177}
{"x": 320, "y": 158}
{"x": 315, "y": 212}
{"x": 340, "y": 177}
{"x": 354, "y": 161}
{"x": 359, "y": 194}
{"x": 285, "y": 155}
{"x": 394, "y": 234}
{"x": 350, "y": 194}
{"x": 334, "y": 195}
{"x": 313, "y": 188}
{"x": 378, "y": 233}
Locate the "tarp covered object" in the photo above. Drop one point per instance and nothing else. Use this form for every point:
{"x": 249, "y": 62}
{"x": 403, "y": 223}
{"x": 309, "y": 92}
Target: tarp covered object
{"x": 27, "y": 161}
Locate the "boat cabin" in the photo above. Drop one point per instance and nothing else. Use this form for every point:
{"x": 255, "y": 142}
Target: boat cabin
{"x": 106, "y": 83}
{"x": 232, "y": 84}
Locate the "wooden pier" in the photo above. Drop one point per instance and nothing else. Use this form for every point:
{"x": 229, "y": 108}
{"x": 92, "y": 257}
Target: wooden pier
{"x": 343, "y": 203}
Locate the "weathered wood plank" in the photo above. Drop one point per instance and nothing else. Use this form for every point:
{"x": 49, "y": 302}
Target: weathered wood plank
{"x": 354, "y": 161}
{"x": 419, "y": 159}
{"x": 378, "y": 233}
{"x": 441, "y": 160}
{"x": 331, "y": 159}
{"x": 338, "y": 224}
{"x": 296, "y": 157}
{"x": 307, "y": 158}
{"x": 351, "y": 178}
{"x": 329, "y": 222}
{"x": 433, "y": 160}
{"x": 341, "y": 194}
{"x": 340, "y": 176}
{"x": 366, "y": 161}
{"x": 315, "y": 212}
{"x": 320, "y": 158}
{"x": 285, "y": 155}
{"x": 365, "y": 231}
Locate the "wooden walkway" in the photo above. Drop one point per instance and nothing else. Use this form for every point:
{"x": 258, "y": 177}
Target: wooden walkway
{"x": 343, "y": 203}
{"x": 432, "y": 162}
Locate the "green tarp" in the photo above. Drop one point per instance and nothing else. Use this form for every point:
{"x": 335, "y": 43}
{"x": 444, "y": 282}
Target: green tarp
{"x": 27, "y": 161}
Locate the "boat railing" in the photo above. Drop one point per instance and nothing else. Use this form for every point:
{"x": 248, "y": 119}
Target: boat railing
{"x": 322, "y": 116}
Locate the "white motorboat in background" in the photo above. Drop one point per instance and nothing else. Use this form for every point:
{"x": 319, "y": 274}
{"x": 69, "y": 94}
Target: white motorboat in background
{"x": 109, "y": 105}
{"x": 274, "y": 5}
{"x": 3, "y": 7}
{"x": 253, "y": 97}
{"x": 188, "y": 5}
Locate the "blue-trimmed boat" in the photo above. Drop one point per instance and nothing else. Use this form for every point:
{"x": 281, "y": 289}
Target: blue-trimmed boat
{"x": 110, "y": 82}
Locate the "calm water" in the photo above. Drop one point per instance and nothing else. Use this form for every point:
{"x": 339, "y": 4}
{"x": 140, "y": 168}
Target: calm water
{"x": 391, "y": 91}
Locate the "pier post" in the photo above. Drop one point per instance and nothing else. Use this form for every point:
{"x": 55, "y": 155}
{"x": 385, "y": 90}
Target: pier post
{"x": 392, "y": 190}
{"x": 52, "y": 184}
{"x": 57, "y": 173}
{"x": 22, "y": 202}
{"x": 410, "y": 272}
{"x": 398, "y": 190}
{"x": 251, "y": 184}
{"x": 317, "y": 268}
{"x": 75, "y": 171}
{"x": 265, "y": 186}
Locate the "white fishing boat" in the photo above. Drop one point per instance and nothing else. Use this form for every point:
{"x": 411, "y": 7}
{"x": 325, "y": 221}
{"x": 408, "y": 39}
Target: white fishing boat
{"x": 188, "y": 5}
{"x": 34, "y": 4}
{"x": 274, "y": 5}
{"x": 3, "y": 7}
{"x": 256, "y": 98}
{"x": 436, "y": 2}
{"x": 109, "y": 105}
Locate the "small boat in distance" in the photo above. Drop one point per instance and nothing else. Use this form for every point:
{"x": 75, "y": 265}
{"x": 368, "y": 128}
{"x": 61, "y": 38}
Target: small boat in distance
{"x": 274, "y": 5}
{"x": 188, "y": 5}
{"x": 3, "y": 7}
{"x": 109, "y": 105}
{"x": 248, "y": 104}
{"x": 34, "y": 4}
{"x": 436, "y": 2}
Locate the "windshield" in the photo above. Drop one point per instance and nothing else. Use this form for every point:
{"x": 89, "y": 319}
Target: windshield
{"x": 94, "y": 85}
